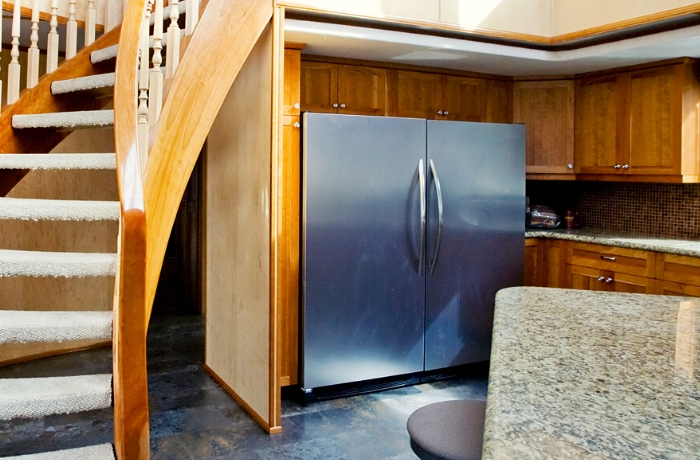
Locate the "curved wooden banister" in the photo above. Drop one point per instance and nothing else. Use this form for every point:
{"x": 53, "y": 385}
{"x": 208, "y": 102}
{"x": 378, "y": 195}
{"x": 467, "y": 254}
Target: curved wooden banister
{"x": 131, "y": 429}
{"x": 224, "y": 38}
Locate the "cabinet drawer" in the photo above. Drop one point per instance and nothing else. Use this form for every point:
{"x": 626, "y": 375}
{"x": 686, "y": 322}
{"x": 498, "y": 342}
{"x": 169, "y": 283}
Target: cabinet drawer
{"x": 671, "y": 288}
{"x": 679, "y": 269}
{"x": 620, "y": 260}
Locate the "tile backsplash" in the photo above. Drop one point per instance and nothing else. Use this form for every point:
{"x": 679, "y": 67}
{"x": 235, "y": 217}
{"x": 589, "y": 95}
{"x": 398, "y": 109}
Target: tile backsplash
{"x": 654, "y": 210}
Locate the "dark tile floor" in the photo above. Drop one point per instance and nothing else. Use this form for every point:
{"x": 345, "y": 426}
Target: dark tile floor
{"x": 192, "y": 418}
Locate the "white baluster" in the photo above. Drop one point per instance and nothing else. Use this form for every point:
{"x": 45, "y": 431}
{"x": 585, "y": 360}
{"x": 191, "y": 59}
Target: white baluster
{"x": 14, "y": 67}
{"x": 142, "y": 112}
{"x": 192, "y": 16}
{"x": 52, "y": 46}
{"x": 33, "y": 53}
{"x": 90, "y": 21}
{"x": 172, "y": 56}
{"x": 155, "y": 90}
{"x": 71, "y": 31}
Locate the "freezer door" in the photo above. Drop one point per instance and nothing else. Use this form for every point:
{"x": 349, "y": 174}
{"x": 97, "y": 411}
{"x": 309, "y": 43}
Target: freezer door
{"x": 478, "y": 176}
{"x": 363, "y": 297}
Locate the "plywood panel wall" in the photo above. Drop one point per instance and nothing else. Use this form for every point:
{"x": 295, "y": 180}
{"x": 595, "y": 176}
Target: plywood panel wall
{"x": 237, "y": 229}
{"x": 54, "y": 294}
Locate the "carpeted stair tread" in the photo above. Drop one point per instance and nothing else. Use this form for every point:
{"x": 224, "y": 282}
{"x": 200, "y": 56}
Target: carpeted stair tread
{"x": 39, "y": 397}
{"x": 110, "y": 52}
{"x": 74, "y": 210}
{"x": 54, "y": 326}
{"x": 103, "y": 80}
{"x": 60, "y": 161}
{"x": 65, "y": 120}
{"x": 56, "y": 264}
{"x": 101, "y": 452}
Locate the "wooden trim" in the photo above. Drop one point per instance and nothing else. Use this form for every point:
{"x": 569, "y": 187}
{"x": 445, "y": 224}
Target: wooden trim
{"x": 294, "y": 45}
{"x": 638, "y": 67}
{"x": 276, "y": 147}
{"x": 26, "y": 12}
{"x": 408, "y": 67}
{"x": 666, "y": 179}
{"x": 48, "y": 354}
{"x": 241, "y": 401}
{"x": 131, "y": 420}
{"x": 537, "y": 176}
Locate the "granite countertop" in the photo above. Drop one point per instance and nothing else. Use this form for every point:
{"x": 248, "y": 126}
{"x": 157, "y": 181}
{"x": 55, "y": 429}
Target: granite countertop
{"x": 593, "y": 375}
{"x": 680, "y": 247}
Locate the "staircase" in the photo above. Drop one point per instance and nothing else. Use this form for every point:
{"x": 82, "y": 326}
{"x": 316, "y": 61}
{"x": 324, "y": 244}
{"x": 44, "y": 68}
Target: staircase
{"x": 73, "y": 97}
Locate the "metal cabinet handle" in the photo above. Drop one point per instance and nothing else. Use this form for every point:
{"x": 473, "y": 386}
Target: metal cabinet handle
{"x": 421, "y": 250}
{"x": 297, "y": 105}
{"x": 625, "y": 166}
{"x": 570, "y": 166}
{"x": 439, "y": 112}
{"x": 611, "y": 259}
{"x": 602, "y": 278}
{"x": 342, "y": 106}
{"x": 438, "y": 189}
{"x": 446, "y": 112}
{"x": 609, "y": 280}
{"x": 297, "y": 124}
{"x": 335, "y": 105}
{"x": 617, "y": 166}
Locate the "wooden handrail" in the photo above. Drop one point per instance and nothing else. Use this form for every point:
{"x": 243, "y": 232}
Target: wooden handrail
{"x": 224, "y": 38}
{"x": 131, "y": 429}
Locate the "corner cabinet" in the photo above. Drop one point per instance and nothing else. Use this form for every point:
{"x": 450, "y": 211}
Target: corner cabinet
{"x": 639, "y": 125}
{"x": 547, "y": 110}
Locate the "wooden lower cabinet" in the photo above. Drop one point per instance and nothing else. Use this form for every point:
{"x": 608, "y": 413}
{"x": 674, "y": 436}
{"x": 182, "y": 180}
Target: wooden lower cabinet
{"x": 533, "y": 269}
{"x": 671, "y": 288}
{"x": 586, "y": 278}
{"x": 544, "y": 263}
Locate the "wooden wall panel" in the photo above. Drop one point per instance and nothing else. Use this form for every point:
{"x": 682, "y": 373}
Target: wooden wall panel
{"x": 54, "y": 294}
{"x": 237, "y": 227}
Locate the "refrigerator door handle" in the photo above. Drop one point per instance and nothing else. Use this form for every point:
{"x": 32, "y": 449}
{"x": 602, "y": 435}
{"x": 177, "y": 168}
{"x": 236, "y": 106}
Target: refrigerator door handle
{"x": 436, "y": 180}
{"x": 421, "y": 250}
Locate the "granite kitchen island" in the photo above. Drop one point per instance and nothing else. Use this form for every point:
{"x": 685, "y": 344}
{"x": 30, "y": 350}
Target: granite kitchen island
{"x": 593, "y": 375}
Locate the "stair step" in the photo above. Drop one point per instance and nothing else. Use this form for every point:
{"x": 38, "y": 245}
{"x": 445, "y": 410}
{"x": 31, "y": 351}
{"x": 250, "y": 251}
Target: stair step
{"x": 92, "y": 82}
{"x": 54, "y": 326}
{"x": 56, "y": 264}
{"x": 60, "y": 161}
{"x": 33, "y": 209}
{"x": 101, "y": 452}
{"x": 110, "y": 52}
{"x": 39, "y": 397}
{"x": 65, "y": 120}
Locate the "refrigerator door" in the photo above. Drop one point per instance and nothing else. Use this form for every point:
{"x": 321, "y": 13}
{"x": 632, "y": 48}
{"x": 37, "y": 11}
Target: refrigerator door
{"x": 478, "y": 175}
{"x": 363, "y": 312}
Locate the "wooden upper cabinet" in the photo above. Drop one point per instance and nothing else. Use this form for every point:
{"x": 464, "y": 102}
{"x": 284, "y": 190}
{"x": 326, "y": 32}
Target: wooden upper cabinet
{"x": 362, "y": 90}
{"x": 292, "y": 89}
{"x": 319, "y": 87}
{"x": 597, "y": 125}
{"x": 463, "y": 99}
{"x": 416, "y": 94}
{"x": 499, "y": 103}
{"x": 655, "y": 121}
{"x": 547, "y": 110}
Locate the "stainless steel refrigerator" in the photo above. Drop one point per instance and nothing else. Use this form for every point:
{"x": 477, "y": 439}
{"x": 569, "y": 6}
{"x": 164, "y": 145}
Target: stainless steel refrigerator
{"x": 410, "y": 227}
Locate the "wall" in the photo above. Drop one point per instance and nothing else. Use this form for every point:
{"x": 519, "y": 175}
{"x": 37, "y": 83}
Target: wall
{"x": 575, "y": 15}
{"x": 54, "y": 294}
{"x": 237, "y": 234}
{"x": 654, "y": 210}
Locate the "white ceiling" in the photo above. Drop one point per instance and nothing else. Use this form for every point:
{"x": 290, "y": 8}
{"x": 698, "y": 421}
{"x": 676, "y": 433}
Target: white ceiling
{"x": 418, "y": 49}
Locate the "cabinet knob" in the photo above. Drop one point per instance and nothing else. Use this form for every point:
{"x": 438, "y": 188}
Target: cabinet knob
{"x": 335, "y": 105}
{"x": 570, "y": 166}
{"x": 609, "y": 280}
{"x": 446, "y": 112}
{"x": 297, "y": 106}
{"x": 297, "y": 124}
{"x": 602, "y": 278}
{"x": 617, "y": 166}
{"x": 625, "y": 166}
{"x": 439, "y": 112}
{"x": 342, "y": 106}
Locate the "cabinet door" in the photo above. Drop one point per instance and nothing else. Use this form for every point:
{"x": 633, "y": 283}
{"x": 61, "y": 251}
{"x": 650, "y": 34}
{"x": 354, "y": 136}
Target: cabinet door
{"x": 547, "y": 110}
{"x": 623, "y": 282}
{"x": 655, "y": 121}
{"x": 589, "y": 279}
{"x": 670, "y": 288}
{"x": 292, "y": 88}
{"x": 416, "y": 94}
{"x": 319, "y": 87}
{"x": 361, "y": 90}
{"x": 533, "y": 263}
{"x": 464, "y": 99}
{"x": 598, "y": 126}
{"x": 499, "y": 103}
